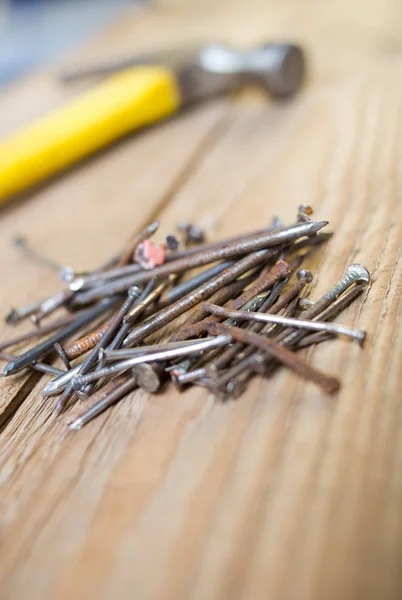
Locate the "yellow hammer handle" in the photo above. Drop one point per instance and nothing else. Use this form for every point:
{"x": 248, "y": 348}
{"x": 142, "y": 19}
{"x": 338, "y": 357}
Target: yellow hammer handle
{"x": 126, "y": 101}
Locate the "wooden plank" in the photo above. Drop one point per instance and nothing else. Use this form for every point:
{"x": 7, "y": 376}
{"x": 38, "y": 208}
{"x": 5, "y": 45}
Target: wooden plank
{"x": 283, "y": 494}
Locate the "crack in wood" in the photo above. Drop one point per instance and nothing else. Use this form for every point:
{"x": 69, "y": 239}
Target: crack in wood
{"x": 20, "y": 396}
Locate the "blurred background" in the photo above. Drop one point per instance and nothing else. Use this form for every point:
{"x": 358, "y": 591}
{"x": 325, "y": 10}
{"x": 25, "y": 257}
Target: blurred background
{"x": 34, "y": 31}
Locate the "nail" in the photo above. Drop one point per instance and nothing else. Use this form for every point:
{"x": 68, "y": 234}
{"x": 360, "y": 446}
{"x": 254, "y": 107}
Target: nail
{"x": 205, "y": 290}
{"x": 304, "y": 213}
{"x": 16, "y": 315}
{"x": 51, "y": 304}
{"x": 284, "y": 355}
{"x": 225, "y": 358}
{"x": 125, "y": 327}
{"x": 101, "y": 278}
{"x": 279, "y": 271}
{"x": 265, "y": 241}
{"x": 127, "y": 254}
{"x": 181, "y": 373}
{"x": 138, "y": 309}
{"x": 62, "y": 355}
{"x": 122, "y": 354}
{"x": 89, "y": 341}
{"x": 97, "y": 277}
{"x": 43, "y": 349}
{"x": 355, "y": 273}
{"x": 91, "y": 359}
{"x": 83, "y": 380}
{"x": 245, "y": 364}
{"x": 188, "y": 286}
{"x": 201, "y": 247}
{"x": 56, "y": 386}
{"x": 238, "y": 350}
{"x": 285, "y": 301}
{"x": 21, "y": 243}
{"x": 331, "y": 312}
{"x": 333, "y": 328}
{"x": 193, "y": 234}
{"x": 149, "y": 376}
{"x": 198, "y": 314}
{"x": 111, "y": 279}
{"x": 119, "y": 391}
{"x": 37, "y": 366}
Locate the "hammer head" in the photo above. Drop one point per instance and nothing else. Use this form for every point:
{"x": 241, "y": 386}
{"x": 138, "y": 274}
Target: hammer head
{"x": 278, "y": 68}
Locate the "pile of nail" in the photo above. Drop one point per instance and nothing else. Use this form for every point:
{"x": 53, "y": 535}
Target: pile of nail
{"x": 123, "y": 326}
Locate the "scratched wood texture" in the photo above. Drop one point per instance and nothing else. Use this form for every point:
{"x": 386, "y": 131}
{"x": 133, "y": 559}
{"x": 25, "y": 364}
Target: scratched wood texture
{"x": 283, "y": 494}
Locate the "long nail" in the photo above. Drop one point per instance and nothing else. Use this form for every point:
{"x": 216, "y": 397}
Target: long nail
{"x": 83, "y": 380}
{"x": 240, "y": 248}
{"x": 122, "y": 354}
{"x": 334, "y": 328}
{"x": 96, "y": 277}
{"x": 83, "y": 283}
{"x": 43, "y": 349}
{"x": 285, "y": 356}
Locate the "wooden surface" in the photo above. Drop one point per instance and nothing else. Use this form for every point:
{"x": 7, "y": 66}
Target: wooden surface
{"x": 284, "y": 494}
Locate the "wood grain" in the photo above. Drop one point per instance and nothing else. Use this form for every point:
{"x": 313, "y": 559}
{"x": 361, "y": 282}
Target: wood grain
{"x": 284, "y": 494}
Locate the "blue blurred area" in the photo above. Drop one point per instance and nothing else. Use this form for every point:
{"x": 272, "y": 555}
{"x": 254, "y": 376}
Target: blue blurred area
{"x": 34, "y": 31}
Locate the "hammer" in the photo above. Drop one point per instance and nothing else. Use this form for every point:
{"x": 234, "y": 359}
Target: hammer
{"x": 139, "y": 91}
